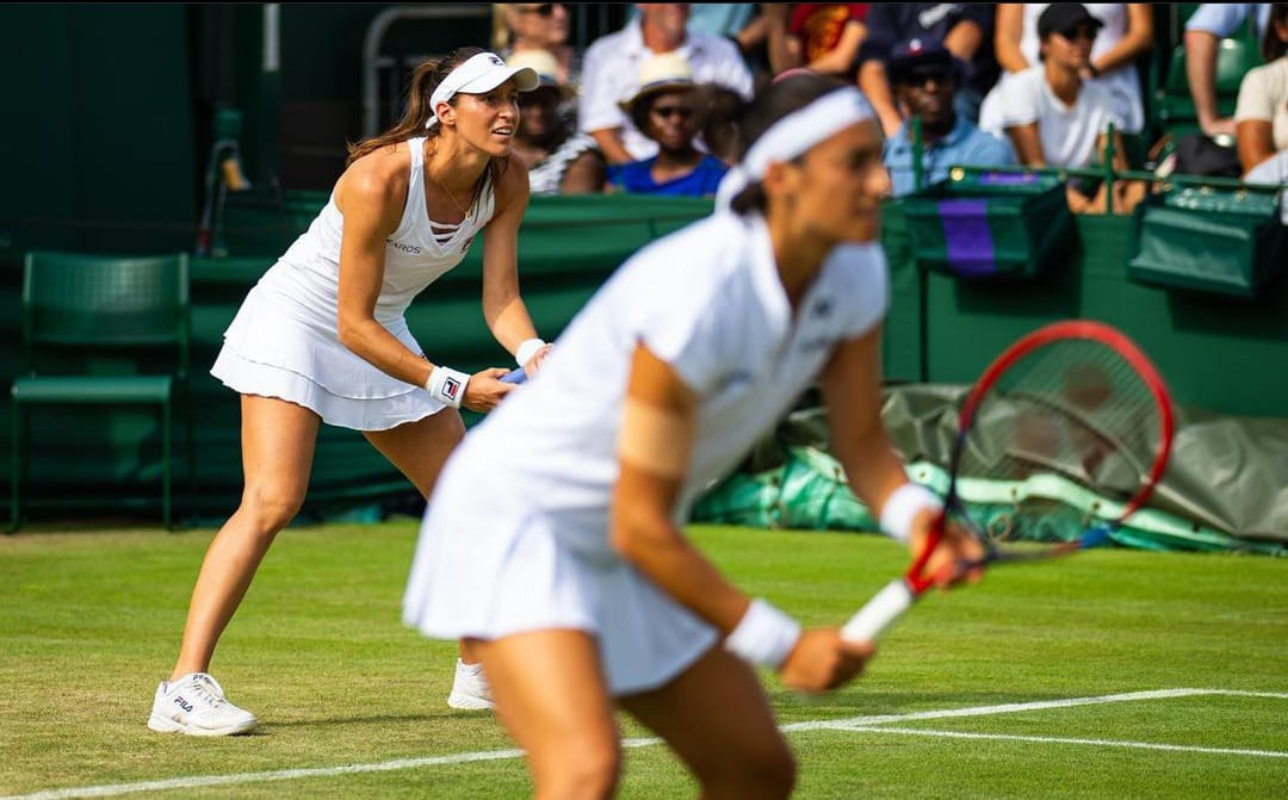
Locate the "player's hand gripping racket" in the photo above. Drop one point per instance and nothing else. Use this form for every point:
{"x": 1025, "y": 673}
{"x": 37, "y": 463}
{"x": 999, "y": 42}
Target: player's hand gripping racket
{"x": 515, "y": 376}
{"x": 1073, "y": 402}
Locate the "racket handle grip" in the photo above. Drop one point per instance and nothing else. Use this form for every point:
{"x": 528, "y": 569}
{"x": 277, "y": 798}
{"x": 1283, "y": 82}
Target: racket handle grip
{"x": 874, "y": 618}
{"x": 514, "y": 376}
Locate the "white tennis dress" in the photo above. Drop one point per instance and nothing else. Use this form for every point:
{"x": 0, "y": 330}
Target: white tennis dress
{"x": 516, "y": 536}
{"x": 284, "y": 341}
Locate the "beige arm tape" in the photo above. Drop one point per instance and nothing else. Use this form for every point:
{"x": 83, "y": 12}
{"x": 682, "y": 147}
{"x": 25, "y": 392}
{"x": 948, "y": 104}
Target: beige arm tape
{"x": 656, "y": 440}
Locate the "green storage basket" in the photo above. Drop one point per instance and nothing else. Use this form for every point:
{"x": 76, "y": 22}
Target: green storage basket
{"x": 1226, "y": 242}
{"x": 990, "y": 225}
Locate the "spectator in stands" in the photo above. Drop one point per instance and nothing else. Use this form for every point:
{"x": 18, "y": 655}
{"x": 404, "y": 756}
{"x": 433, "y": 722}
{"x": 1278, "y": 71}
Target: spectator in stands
{"x": 1261, "y": 118}
{"x": 924, "y": 75}
{"x": 1204, "y": 30}
{"x": 822, "y": 37}
{"x": 664, "y": 109}
{"x": 966, "y": 31}
{"x": 612, "y": 66}
{"x": 1126, "y": 32}
{"x": 537, "y": 26}
{"x": 1053, "y": 116}
{"x": 559, "y": 160}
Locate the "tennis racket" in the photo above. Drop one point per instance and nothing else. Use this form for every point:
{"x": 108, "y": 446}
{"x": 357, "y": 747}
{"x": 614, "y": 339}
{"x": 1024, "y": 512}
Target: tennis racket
{"x": 515, "y": 376}
{"x": 1074, "y": 402}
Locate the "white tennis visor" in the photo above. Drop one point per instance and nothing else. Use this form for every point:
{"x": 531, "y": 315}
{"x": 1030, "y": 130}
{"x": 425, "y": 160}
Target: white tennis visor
{"x": 480, "y": 74}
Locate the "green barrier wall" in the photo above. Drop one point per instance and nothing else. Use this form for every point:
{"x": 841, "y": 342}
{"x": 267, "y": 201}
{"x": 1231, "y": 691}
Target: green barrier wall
{"x": 97, "y": 458}
{"x": 1218, "y": 354}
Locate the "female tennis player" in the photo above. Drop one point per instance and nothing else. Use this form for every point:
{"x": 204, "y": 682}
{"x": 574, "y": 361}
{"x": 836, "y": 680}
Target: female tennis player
{"x": 582, "y": 590}
{"x": 322, "y": 337}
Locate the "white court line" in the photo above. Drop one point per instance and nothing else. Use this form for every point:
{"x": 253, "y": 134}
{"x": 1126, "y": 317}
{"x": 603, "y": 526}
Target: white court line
{"x": 1178, "y": 748}
{"x": 851, "y": 723}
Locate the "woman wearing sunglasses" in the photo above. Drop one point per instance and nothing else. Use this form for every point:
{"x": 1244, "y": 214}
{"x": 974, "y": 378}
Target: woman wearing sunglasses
{"x": 1055, "y": 117}
{"x": 524, "y": 27}
{"x": 1123, "y": 32}
{"x": 663, "y": 109}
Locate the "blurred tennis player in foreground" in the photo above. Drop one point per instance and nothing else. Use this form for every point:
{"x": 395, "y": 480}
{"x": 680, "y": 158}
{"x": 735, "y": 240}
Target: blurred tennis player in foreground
{"x": 554, "y": 540}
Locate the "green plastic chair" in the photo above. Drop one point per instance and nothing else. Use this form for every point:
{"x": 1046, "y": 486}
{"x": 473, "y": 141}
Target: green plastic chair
{"x": 1175, "y": 107}
{"x": 83, "y": 305}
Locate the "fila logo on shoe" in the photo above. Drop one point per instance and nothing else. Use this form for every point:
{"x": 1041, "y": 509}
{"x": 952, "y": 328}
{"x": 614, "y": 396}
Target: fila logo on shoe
{"x": 186, "y": 706}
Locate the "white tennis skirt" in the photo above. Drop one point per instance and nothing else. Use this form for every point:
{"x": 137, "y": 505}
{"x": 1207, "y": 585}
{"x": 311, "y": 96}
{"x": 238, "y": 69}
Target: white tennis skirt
{"x": 483, "y": 570}
{"x": 271, "y": 354}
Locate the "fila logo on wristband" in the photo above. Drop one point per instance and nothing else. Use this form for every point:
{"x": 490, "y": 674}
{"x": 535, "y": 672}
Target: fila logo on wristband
{"x": 447, "y": 386}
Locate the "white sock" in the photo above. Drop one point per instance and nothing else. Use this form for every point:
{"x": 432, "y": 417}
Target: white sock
{"x": 469, "y": 669}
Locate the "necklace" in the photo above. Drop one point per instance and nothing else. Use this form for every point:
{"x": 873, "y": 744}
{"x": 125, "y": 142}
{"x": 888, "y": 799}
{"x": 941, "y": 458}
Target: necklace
{"x": 452, "y": 197}
{"x": 442, "y": 184}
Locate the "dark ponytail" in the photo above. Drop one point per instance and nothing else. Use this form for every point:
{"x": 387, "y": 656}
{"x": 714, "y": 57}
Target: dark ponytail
{"x": 424, "y": 80}
{"x": 730, "y": 125}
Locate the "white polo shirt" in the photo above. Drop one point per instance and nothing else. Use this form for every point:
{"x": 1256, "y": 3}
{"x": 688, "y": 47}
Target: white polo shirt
{"x": 1068, "y": 133}
{"x": 610, "y": 74}
{"x": 708, "y": 301}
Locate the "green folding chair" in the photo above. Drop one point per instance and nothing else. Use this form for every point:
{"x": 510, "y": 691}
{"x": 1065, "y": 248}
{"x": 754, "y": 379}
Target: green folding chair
{"x": 1175, "y": 108}
{"x": 81, "y": 305}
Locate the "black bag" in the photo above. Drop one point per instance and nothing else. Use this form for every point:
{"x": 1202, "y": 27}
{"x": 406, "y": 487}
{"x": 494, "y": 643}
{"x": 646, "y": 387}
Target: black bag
{"x": 1196, "y": 154}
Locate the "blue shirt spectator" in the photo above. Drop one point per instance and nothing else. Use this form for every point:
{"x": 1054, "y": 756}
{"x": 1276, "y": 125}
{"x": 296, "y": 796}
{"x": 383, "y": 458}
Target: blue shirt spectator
{"x": 664, "y": 110}
{"x": 964, "y": 144}
{"x": 965, "y": 29}
{"x": 924, "y": 75}
{"x": 1225, "y": 19}
{"x": 637, "y": 178}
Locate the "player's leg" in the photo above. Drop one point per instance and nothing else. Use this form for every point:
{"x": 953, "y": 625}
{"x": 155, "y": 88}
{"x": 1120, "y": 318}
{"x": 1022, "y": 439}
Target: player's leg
{"x": 419, "y": 450}
{"x": 717, "y": 719}
{"x": 552, "y": 697}
{"x": 278, "y": 441}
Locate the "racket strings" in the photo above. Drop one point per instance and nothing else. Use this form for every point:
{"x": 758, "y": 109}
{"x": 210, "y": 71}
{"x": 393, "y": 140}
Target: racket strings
{"x": 1074, "y": 408}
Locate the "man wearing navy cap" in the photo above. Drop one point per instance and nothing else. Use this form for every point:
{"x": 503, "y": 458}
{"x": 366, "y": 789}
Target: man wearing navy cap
{"x": 924, "y": 77}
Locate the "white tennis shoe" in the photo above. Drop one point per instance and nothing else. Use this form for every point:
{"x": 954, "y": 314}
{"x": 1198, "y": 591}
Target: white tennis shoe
{"x": 195, "y": 705}
{"x": 470, "y": 689}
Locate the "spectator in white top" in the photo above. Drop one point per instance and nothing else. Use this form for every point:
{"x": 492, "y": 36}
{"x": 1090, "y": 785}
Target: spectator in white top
{"x": 1204, "y": 30}
{"x": 1126, "y": 32}
{"x": 612, "y": 65}
{"x": 1052, "y": 116}
{"x": 1261, "y": 118}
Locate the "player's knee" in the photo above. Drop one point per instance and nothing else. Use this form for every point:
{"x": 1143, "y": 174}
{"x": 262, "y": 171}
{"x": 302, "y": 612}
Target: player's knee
{"x": 272, "y": 506}
{"x": 592, "y": 775}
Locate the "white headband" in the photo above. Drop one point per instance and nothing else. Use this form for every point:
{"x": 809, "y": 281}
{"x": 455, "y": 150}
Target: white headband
{"x": 792, "y": 135}
{"x": 480, "y": 73}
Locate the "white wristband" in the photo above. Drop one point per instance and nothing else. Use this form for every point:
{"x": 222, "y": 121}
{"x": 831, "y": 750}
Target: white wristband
{"x": 764, "y": 635}
{"x": 527, "y": 350}
{"x": 447, "y": 386}
{"x": 902, "y": 508}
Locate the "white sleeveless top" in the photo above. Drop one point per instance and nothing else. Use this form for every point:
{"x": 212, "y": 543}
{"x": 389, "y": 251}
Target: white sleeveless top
{"x": 708, "y": 301}
{"x": 289, "y": 320}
